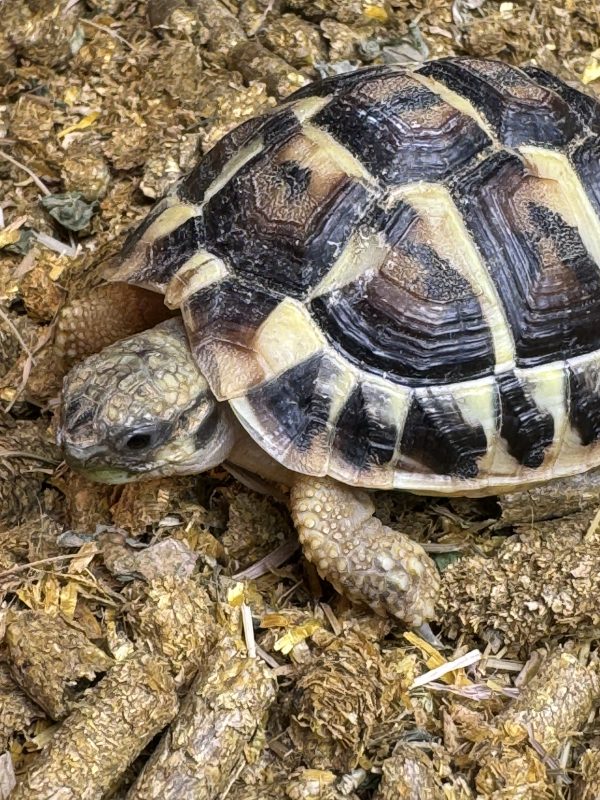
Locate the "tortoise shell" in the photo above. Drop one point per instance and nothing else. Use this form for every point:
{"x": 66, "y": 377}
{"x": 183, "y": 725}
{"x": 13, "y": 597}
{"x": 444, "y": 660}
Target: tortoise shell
{"x": 394, "y": 277}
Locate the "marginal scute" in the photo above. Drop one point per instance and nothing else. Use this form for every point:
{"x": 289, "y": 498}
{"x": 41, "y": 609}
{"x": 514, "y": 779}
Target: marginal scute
{"x": 365, "y": 446}
{"x": 153, "y": 253}
{"x": 437, "y": 438}
{"x": 296, "y": 412}
{"x": 527, "y": 429}
{"x": 221, "y": 321}
{"x": 200, "y": 270}
{"x": 584, "y": 401}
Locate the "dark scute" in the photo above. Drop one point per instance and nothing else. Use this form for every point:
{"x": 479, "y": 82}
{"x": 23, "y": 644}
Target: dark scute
{"x": 280, "y": 127}
{"x": 584, "y": 406}
{"x": 338, "y": 222}
{"x": 412, "y": 340}
{"x": 295, "y": 402}
{"x": 586, "y": 159}
{"x": 337, "y": 84}
{"x": 527, "y": 430}
{"x": 361, "y": 438}
{"x": 283, "y": 256}
{"x": 380, "y": 137}
{"x": 230, "y": 310}
{"x": 553, "y": 310}
{"x": 584, "y": 105}
{"x": 441, "y": 283}
{"x": 551, "y": 225}
{"x": 271, "y": 126}
{"x": 170, "y": 252}
{"x": 575, "y": 305}
{"x": 394, "y": 223}
{"x": 296, "y": 177}
{"x": 517, "y": 120}
{"x": 437, "y": 436}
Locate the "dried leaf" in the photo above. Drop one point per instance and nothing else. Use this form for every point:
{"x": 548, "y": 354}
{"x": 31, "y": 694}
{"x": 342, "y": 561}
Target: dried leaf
{"x": 70, "y": 209}
{"x": 83, "y": 123}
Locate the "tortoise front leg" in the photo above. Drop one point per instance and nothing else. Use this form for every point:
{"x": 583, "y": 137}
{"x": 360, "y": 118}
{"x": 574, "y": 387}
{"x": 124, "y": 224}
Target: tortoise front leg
{"x": 107, "y": 314}
{"x": 363, "y": 559}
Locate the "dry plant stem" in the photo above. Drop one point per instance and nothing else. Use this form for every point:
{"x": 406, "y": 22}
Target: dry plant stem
{"x": 49, "y": 659}
{"x": 38, "y": 182}
{"x": 556, "y": 702}
{"x": 223, "y": 711}
{"x": 554, "y": 499}
{"x": 588, "y": 788}
{"x": 109, "y": 729}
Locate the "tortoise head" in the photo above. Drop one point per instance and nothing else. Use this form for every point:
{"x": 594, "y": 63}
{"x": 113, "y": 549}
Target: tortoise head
{"x": 141, "y": 408}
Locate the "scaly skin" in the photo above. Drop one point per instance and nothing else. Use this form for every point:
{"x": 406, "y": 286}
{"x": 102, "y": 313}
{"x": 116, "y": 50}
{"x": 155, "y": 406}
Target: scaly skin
{"x": 107, "y": 314}
{"x": 361, "y": 557}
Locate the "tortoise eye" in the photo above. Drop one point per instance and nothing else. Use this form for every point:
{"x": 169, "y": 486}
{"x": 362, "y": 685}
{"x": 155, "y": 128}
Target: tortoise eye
{"x": 138, "y": 439}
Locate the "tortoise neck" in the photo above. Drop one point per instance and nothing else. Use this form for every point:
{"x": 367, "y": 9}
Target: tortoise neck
{"x": 248, "y": 455}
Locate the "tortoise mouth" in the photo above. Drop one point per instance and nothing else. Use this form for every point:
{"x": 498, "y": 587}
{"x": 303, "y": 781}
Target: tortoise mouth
{"x": 104, "y": 474}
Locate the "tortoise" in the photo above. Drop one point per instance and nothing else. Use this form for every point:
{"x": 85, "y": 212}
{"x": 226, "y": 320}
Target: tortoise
{"x": 390, "y": 281}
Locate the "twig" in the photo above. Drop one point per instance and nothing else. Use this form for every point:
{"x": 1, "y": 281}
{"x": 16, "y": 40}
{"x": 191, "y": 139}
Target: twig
{"x": 15, "y": 331}
{"x": 545, "y": 756}
{"x": 267, "y": 658}
{"x": 248, "y": 630}
{"x": 25, "y": 454}
{"x": 38, "y": 181}
{"x": 108, "y": 30}
{"x": 270, "y": 562}
{"x": 450, "y": 666}
{"x": 70, "y": 4}
{"x": 436, "y": 547}
{"x": 24, "y": 567}
{"x": 27, "y": 367}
